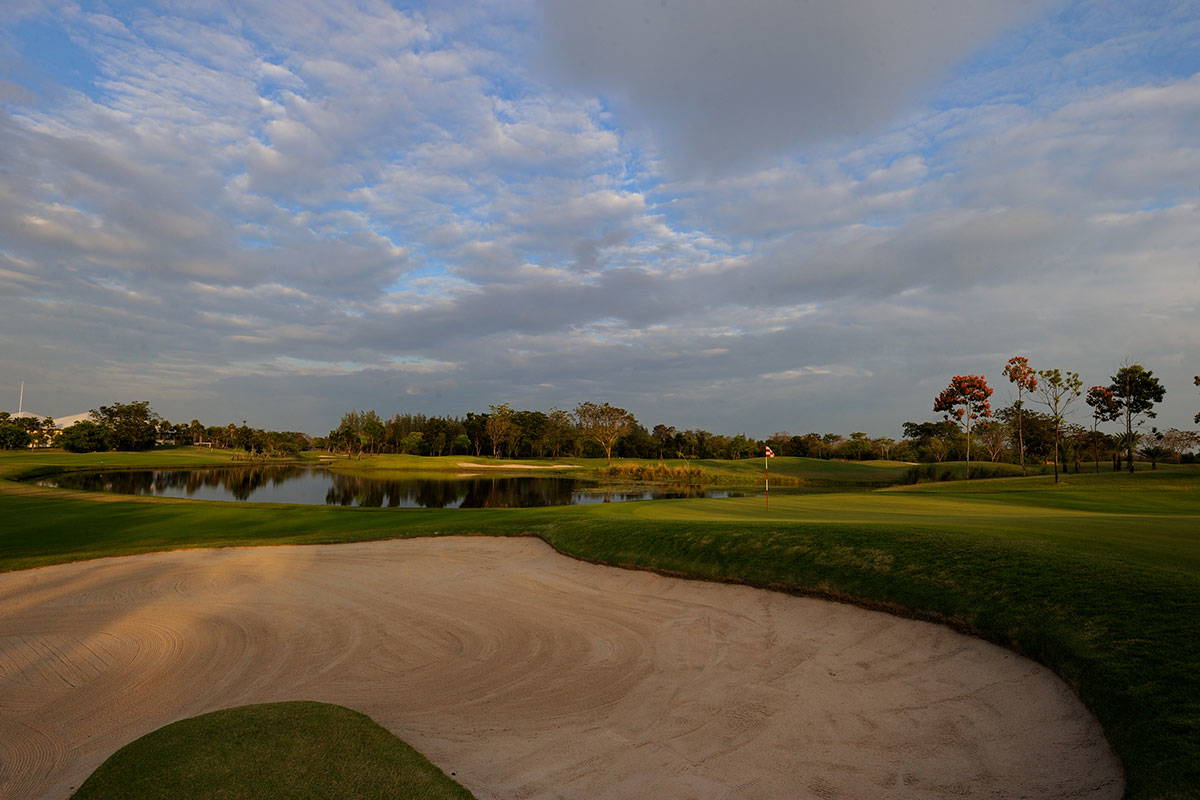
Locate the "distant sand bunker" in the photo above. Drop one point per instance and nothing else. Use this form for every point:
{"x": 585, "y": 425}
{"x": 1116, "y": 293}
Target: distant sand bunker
{"x": 532, "y": 675}
{"x": 473, "y": 465}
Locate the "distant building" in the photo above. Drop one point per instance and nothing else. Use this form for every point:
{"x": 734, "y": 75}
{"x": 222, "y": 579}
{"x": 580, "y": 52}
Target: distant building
{"x": 39, "y": 436}
{"x": 44, "y": 437}
{"x": 26, "y": 415}
{"x": 65, "y": 422}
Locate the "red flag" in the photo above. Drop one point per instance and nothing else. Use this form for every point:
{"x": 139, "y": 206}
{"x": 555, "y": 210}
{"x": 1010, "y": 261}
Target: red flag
{"x": 770, "y": 453}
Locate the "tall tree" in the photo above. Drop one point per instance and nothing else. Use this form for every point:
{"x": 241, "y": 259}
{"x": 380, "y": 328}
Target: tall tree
{"x": 604, "y": 424}
{"x": 1137, "y": 390}
{"x": 558, "y": 433}
{"x": 964, "y": 401}
{"x": 1105, "y": 408}
{"x": 1058, "y": 390}
{"x": 530, "y": 430}
{"x": 501, "y": 427}
{"x": 1155, "y": 451}
{"x": 348, "y": 435}
{"x": 84, "y": 437}
{"x": 933, "y": 439}
{"x": 12, "y": 436}
{"x": 830, "y": 443}
{"x": 1178, "y": 442}
{"x": 475, "y": 426}
{"x": 130, "y": 426}
{"x": 993, "y": 434}
{"x": 371, "y": 431}
{"x": 663, "y": 435}
{"x": 1021, "y": 375}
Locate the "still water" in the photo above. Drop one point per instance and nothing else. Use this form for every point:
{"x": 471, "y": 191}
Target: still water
{"x": 315, "y": 486}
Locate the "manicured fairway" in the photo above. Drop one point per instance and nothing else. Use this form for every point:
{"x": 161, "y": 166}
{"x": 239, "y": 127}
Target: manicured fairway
{"x": 1098, "y": 577}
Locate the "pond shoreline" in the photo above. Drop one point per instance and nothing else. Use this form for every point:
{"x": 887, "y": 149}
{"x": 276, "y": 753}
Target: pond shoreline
{"x": 307, "y": 484}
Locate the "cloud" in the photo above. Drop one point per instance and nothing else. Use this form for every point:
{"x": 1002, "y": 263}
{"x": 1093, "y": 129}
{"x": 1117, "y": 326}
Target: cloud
{"x": 273, "y": 218}
{"x": 726, "y": 84}
{"x": 833, "y": 370}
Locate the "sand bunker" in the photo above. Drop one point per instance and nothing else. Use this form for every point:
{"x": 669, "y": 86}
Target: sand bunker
{"x": 473, "y": 465}
{"x": 531, "y": 675}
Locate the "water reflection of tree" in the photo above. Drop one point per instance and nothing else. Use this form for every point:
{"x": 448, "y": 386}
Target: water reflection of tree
{"x": 245, "y": 481}
{"x": 348, "y": 490}
{"x": 240, "y": 483}
{"x": 439, "y": 494}
{"x": 518, "y": 492}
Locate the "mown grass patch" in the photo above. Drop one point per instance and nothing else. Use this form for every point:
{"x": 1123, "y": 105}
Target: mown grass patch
{"x": 273, "y": 750}
{"x": 820, "y": 473}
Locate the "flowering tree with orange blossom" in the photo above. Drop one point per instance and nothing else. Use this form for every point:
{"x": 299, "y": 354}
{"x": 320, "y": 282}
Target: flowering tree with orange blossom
{"x": 964, "y": 401}
{"x": 1018, "y": 371}
{"x": 1105, "y": 408}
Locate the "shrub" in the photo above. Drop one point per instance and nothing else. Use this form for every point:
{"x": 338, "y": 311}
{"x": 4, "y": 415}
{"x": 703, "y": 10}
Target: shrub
{"x": 84, "y": 437}
{"x": 13, "y": 437}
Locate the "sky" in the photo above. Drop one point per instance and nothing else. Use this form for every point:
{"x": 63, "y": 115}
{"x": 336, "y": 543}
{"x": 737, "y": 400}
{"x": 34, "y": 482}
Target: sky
{"x": 753, "y": 217}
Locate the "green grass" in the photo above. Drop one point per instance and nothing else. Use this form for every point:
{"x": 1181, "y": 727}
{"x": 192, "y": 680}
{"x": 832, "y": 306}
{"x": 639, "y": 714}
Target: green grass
{"x": 1097, "y": 577}
{"x": 275, "y": 750}
{"x": 808, "y": 472}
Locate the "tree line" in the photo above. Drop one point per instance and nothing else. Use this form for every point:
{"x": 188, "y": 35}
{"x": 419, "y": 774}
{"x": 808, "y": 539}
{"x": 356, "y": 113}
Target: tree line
{"x": 136, "y": 426}
{"x": 969, "y": 429}
{"x": 591, "y": 430}
{"x": 1129, "y": 399}
{"x": 20, "y": 432}
{"x": 1017, "y": 433}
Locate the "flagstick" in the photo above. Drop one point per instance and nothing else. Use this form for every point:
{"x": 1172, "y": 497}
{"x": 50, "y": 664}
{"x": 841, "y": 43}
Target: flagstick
{"x": 766, "y": 484}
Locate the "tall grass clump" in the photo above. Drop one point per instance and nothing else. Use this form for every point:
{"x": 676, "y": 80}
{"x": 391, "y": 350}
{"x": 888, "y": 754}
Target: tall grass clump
{"x": 957, "y": 471}
{"x": 659, "y": 473}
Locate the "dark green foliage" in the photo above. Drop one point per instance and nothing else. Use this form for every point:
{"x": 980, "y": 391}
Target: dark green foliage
{"x": 13, "y": 437}
{"x": 934, "y": 441}
{"x": 1036, "y": 427}
{"x": 129, "y": 426}
{"x": 84, "y": 437}
{"x": 1136, "y": 391}
{"x": 957, "y": 471}
{"x": 274, "y": 750}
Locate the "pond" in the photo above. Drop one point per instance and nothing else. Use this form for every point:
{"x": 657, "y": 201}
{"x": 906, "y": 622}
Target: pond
{"x": 317, "y": 486}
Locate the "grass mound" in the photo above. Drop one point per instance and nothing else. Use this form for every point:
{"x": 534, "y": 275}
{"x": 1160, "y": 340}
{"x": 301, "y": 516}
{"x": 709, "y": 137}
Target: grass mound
{"x": 957, "y": 471}
{"x": 297, "y": 749}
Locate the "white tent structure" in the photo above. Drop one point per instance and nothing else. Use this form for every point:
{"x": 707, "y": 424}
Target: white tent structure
{"x": 65, "y": 422}
{"x": 27, "y": 415}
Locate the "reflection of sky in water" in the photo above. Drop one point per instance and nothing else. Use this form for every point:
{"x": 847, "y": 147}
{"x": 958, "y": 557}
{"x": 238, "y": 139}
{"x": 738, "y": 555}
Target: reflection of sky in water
{"x": 311, "y": 486}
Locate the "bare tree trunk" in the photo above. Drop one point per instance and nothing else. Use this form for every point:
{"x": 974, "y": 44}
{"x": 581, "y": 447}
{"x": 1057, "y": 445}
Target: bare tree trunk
{"x": 1021, "y": 430}
{"x": 1128, "y": 436}
{"x": 968, "y": 445}
{"x": 1056, "y": 454}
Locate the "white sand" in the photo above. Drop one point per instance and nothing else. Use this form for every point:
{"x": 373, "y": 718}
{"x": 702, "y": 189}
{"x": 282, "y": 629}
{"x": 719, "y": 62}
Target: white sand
{"x": 473, "y": 465}
{"x": 531, "y": 675}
